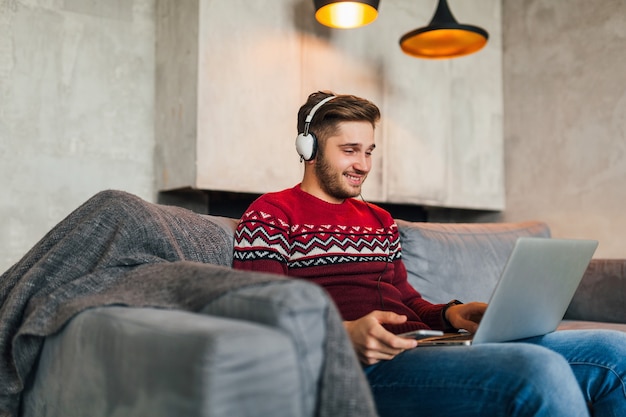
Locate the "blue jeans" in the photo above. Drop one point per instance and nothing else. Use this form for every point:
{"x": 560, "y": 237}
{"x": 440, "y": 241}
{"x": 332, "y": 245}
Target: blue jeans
{"x": 558, "y": 374}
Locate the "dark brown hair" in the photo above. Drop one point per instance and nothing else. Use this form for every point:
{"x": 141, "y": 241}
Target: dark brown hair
{"x": 342, "y": 108}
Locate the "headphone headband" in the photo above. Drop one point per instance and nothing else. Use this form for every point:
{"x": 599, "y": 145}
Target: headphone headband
{"x": 309, "y": 117}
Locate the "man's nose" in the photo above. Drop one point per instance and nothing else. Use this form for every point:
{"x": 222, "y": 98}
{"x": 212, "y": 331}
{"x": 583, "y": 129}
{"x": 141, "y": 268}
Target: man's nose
{"x": 363, "y": 163}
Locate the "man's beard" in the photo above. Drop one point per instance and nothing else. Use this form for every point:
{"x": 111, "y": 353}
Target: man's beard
{"x": 331, "y": 181}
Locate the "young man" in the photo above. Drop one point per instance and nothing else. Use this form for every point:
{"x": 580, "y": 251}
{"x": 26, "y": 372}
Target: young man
{"x": 320, "y": 231}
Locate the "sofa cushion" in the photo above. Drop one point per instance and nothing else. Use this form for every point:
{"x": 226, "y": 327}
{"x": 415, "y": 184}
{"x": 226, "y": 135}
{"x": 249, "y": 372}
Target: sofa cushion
{"x": 460, "y": 260}
{"x": 591, "y": 325}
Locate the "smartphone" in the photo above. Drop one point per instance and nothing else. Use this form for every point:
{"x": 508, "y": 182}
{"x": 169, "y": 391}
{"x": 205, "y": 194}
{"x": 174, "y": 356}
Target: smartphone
{"x": 421, "y": 334}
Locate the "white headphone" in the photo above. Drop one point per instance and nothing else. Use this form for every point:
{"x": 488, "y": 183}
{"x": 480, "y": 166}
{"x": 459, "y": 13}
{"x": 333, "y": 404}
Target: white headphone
{"x": 306, "y": 143}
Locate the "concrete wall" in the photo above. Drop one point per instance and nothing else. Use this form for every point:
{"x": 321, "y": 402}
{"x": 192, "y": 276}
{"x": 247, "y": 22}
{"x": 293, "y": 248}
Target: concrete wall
{"x": 76, "y": 110}
{"x": 439, "y": 141}
{"x": 77, "y": 96}
{"x": 565, "y": 117}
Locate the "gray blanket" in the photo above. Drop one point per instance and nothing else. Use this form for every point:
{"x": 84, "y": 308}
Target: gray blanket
{"x": 118, "y": 249}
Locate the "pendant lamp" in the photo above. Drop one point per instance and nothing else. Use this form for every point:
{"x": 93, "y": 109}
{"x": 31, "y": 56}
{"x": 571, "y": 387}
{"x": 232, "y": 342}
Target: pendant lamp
{"x": 444, "y": 37}
{"x": 345, "y": 14}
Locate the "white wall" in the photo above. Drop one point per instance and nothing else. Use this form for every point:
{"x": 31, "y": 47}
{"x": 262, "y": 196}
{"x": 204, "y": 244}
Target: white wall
{"x": 76, "y": 110}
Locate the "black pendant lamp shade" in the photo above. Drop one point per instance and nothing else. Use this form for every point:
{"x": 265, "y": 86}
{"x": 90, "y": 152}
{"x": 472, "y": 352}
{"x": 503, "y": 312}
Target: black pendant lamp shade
{"x": 444, "y": 37}
{"x": 345, "y": 14}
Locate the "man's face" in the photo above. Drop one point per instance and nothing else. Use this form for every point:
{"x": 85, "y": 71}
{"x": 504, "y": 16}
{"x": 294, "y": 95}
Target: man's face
{"x": 344, "y": 160}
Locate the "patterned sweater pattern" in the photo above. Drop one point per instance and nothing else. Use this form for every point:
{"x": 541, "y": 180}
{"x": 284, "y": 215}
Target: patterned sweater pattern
{"x": 351, "y": 249}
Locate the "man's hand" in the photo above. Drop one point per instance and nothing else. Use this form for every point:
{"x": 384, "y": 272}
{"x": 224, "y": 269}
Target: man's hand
{"x": 466, "y": 316}
{"x": 372, "y": 342}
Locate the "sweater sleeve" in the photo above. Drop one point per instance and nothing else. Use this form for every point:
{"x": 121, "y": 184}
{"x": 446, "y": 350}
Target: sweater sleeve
{"x": 262, "y": 241}
{"x": 431, "y": 314}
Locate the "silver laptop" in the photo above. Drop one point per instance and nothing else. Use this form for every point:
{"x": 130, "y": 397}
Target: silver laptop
{"x": 533, "y": 293}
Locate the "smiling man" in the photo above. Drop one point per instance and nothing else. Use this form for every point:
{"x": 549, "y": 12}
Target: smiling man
{"x": 320, "y": 232}
{"x": 343, "y": 165}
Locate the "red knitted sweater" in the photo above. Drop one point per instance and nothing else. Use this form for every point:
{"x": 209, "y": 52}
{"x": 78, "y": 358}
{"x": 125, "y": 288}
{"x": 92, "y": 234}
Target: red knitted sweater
{"x": 351, "y": 249}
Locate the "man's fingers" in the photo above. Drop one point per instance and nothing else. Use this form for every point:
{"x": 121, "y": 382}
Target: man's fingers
{"x": 372, "y": 356}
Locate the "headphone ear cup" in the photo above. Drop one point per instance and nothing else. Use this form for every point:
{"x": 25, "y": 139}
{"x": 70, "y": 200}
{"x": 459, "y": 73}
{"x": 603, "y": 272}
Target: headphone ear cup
{"x": 306, "y": 145}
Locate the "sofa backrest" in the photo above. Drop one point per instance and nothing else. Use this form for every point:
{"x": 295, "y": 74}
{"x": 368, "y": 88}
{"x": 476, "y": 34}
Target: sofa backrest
{"x": 229, "y": 225}
{"x": 448, "y": 261}
{"x": 462, "y": 261}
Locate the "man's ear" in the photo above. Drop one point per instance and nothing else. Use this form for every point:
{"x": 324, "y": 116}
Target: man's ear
{"x": 309, "y": 166}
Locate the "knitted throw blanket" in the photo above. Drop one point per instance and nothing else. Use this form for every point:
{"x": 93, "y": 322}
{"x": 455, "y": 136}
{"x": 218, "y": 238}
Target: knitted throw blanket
{"x": 119, "y": 249}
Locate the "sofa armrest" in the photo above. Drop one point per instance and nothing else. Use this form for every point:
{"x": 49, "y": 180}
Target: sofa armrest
{"x": 113, "y": 361}
{"x": 298, "y": 308}
{"x": 601, "y": 295}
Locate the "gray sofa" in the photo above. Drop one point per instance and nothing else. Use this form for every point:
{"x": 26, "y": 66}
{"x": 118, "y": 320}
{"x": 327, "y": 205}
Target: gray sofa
{"x": 257, "y": 351}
